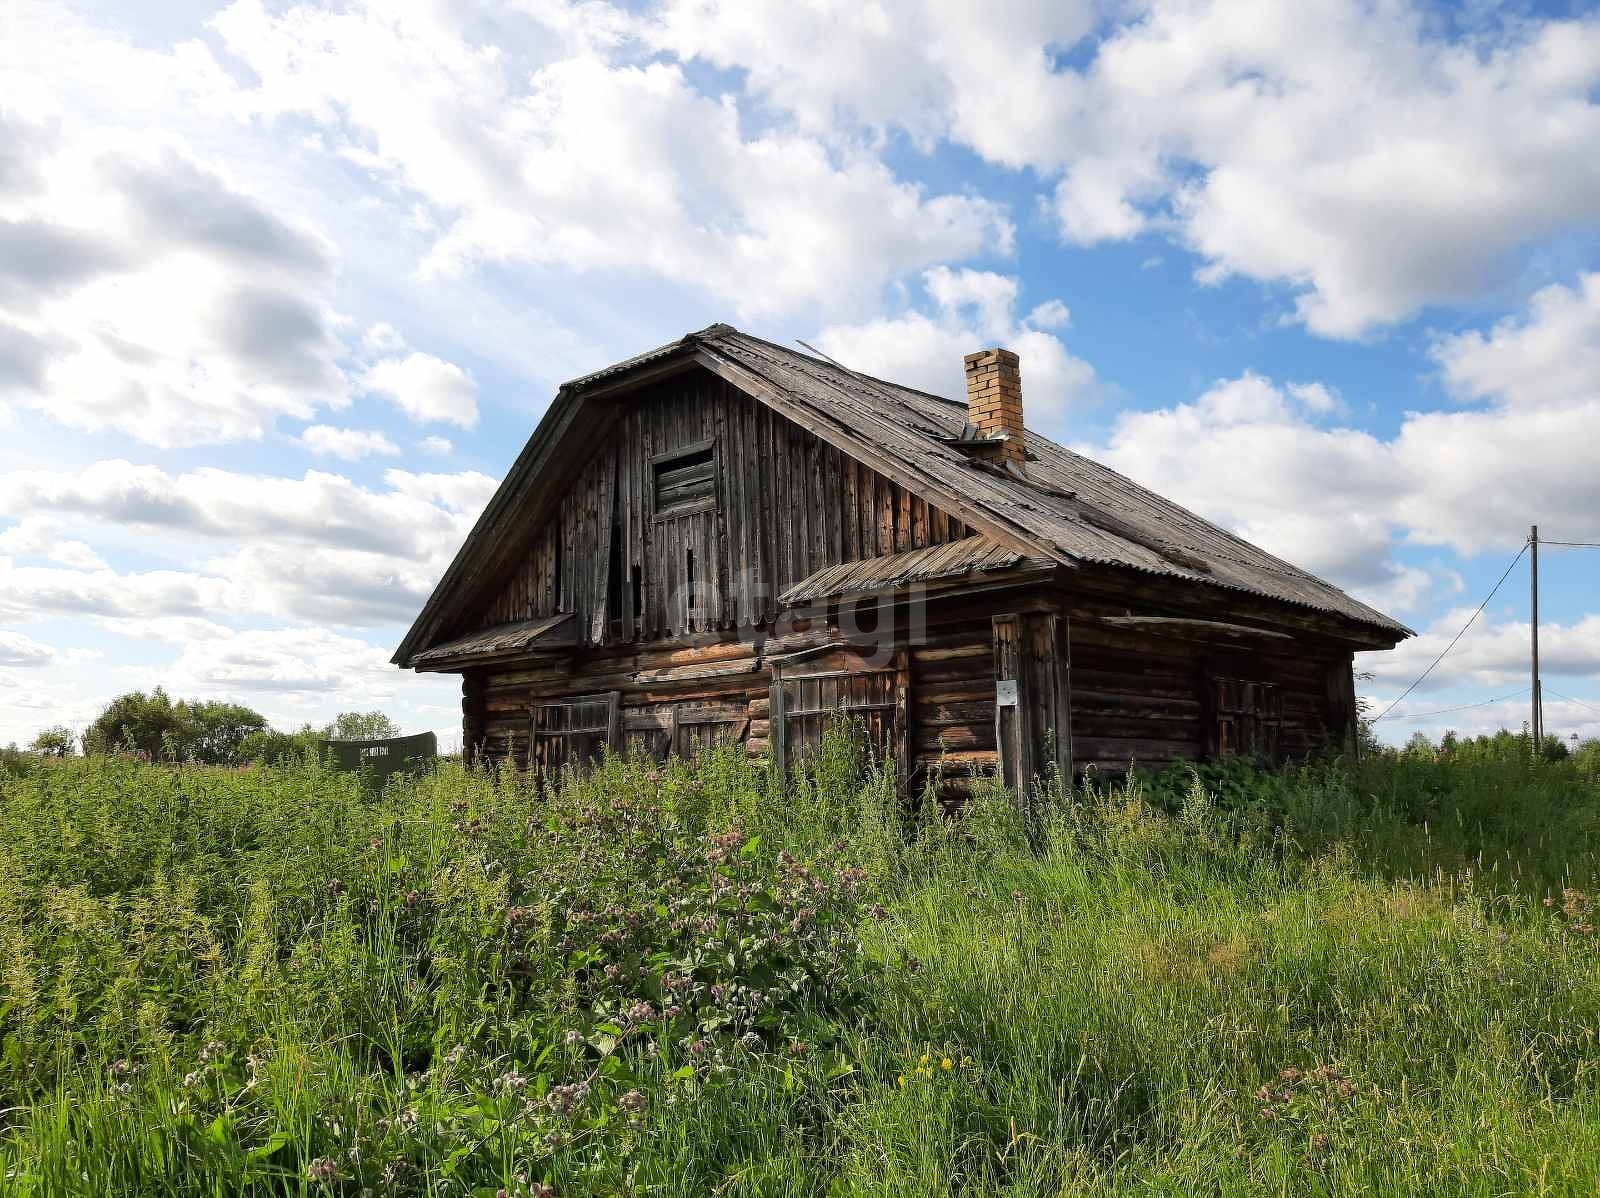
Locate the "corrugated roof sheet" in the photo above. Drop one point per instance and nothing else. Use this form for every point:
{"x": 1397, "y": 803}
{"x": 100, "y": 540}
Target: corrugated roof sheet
{"x": 502, "y": 638}
{"x": 970, "y": 555}
{"x": 1069, "y": 502}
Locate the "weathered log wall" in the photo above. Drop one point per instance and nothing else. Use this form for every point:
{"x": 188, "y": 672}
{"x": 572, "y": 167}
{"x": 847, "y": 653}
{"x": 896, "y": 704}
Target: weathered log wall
{"x": 787, "y": 504}
{"x": 1136, "y": 698}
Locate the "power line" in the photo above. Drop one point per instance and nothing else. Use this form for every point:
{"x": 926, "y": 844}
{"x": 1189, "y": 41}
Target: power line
{"x": 1571, "y": 544}
{"x": 1458, "y": 635}
{"x": 1579, "y": 702}
{"x": 1400, "y": 719}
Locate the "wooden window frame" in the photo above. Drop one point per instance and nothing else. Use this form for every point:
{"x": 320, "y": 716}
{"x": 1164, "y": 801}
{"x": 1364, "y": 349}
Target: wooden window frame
{"x": 1248, "y": 725}
{"x": 609, "y": 726}
{"x": 693, "y": 507}
{"x": 895, "y": 709}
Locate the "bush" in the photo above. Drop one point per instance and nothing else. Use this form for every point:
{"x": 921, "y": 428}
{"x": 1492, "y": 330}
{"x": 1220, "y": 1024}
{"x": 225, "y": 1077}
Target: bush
{"x": 689, "y": 979}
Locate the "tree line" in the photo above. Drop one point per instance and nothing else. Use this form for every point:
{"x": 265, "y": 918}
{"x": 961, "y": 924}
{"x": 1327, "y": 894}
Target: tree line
{"x": 203, "y": 731}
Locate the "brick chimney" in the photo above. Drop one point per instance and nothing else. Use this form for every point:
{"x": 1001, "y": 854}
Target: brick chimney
{"x": 994, "y": 400}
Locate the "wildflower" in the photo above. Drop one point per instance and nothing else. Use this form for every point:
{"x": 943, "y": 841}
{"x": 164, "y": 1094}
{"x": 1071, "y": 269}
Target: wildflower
{"x": 633, "y": 1102}
{"x": 539, "y": 1190}
{"x": 1268, "y": 1113}
{"x": 573, "y": 1038}
{"x": 699, "y": 1047}
{"x": 901, "y": 1081}
{"x": 946, "y": 1064}
{"x": 322, "y": 1169}
{"x": 512, "y": 1080}
{"x": 191, "y": 1079}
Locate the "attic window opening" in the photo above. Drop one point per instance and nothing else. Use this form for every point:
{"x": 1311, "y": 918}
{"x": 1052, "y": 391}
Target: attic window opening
{"x": 685, "y": 480}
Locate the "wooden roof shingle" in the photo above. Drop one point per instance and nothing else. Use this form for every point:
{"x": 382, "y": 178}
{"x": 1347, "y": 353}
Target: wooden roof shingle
{"x": 1061, "y": 507}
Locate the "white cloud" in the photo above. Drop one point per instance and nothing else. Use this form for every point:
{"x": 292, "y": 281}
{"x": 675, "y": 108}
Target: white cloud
{"x": 969, "y": 310}
{"x": 1242, "y": 455}
{"x": 351, "y": 444}
{"x": 1341, "y": 148}
{"x": 438, "y": 446}
{"x": 151, "y": 281}
{"x": 426, "y": 388}
{"x": 294, "y": 659}
{"x": 1253, "y": 456}
{"x": 598, "y": 166}
{"x": 143, "y": 292}
{"x": 19, "y": 650}
{"x": 314, "y": 548}
{"x": 1548, "y": 358}
{"x": 35, "y": 536}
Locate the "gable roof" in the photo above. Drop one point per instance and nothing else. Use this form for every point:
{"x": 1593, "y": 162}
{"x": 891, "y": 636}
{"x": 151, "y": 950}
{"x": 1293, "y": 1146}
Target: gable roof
{"x": 1063, "y": 507}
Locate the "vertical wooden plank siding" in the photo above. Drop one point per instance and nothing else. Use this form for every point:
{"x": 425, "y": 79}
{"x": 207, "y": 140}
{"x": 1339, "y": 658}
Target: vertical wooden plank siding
{"x": 787, "y": 504}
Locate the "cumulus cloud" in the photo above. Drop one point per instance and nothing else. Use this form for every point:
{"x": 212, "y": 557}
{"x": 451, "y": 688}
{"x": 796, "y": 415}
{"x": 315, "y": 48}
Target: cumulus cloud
{"x": 969, "y": 310}
{"x": 426, "y": 389}
{"x": 598, "y": 165}
{"x": 1234, "y": 129}
{"x": 36, "y": 536}
{"x": 351, "y": 444}
{"x": 436, "y": 445}
{"x": 1258, "y": 457}
{"x": 143, "y": 288}
{"x": 142, "y": 292}
{"x": 1245, "y": 455}
{"x": 19, "y": 650}
{"x": 294, "y": 660}
{"x": 315, "y": 547}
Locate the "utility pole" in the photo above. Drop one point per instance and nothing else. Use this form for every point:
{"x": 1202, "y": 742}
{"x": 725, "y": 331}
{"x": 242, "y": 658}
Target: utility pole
{"x": 1538, "y": 704}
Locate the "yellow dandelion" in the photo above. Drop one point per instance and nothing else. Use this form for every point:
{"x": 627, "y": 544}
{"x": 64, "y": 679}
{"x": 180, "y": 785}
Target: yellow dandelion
{"x": 902, "y": 1081}
{"x": 946, "y": 1064}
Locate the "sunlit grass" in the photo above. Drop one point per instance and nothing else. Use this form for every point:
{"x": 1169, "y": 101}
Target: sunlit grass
{"x": 664, "y": 980}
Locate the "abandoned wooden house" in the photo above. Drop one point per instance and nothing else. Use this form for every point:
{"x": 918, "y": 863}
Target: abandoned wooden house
{"x": 726, "y": 538}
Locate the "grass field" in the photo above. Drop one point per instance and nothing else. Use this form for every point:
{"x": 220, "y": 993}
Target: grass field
{"x": 1376, "y": 980}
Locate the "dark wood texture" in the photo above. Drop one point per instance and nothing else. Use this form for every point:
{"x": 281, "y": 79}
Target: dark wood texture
{"x": 786, "y": 505}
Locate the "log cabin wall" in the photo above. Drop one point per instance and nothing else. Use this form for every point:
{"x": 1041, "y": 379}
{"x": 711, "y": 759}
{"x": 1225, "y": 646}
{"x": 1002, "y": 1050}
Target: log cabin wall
{"x": 1135, "y": 698}
{"x": 1149, "y": 699}
{"x": 786, "y": 504}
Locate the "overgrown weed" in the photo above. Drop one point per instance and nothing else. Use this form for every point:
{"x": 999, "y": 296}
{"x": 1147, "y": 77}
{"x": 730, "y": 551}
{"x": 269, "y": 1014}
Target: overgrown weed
{"x": 690, "y": 979}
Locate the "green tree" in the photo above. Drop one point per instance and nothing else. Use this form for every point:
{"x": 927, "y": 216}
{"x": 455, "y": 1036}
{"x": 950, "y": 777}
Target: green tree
{"x": 362, "y": 725}
{"x": 54, "y": 742}
{"x": 137, "y": 723}
{"x": 209, "y": 732}
{"x": 271, "y": 747}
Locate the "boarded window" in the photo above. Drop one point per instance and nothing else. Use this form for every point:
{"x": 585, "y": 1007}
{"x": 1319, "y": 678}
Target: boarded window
{"x": 683, "y": 729}
{"x": 685, "y": 480}
{"x": 1246, "y": 718}
{"x": 809, "y": 702}
{"x": 574, "y": 731}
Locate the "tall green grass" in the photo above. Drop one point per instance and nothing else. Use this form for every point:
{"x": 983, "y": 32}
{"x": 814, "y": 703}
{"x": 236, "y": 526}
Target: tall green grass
{"x": 674, "y": 980}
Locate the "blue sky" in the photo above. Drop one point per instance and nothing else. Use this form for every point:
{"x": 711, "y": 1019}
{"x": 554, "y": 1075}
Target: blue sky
{"x": 284, "y": 288}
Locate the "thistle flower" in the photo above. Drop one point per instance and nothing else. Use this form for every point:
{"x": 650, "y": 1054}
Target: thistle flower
{"x": 322, "y": 1169}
